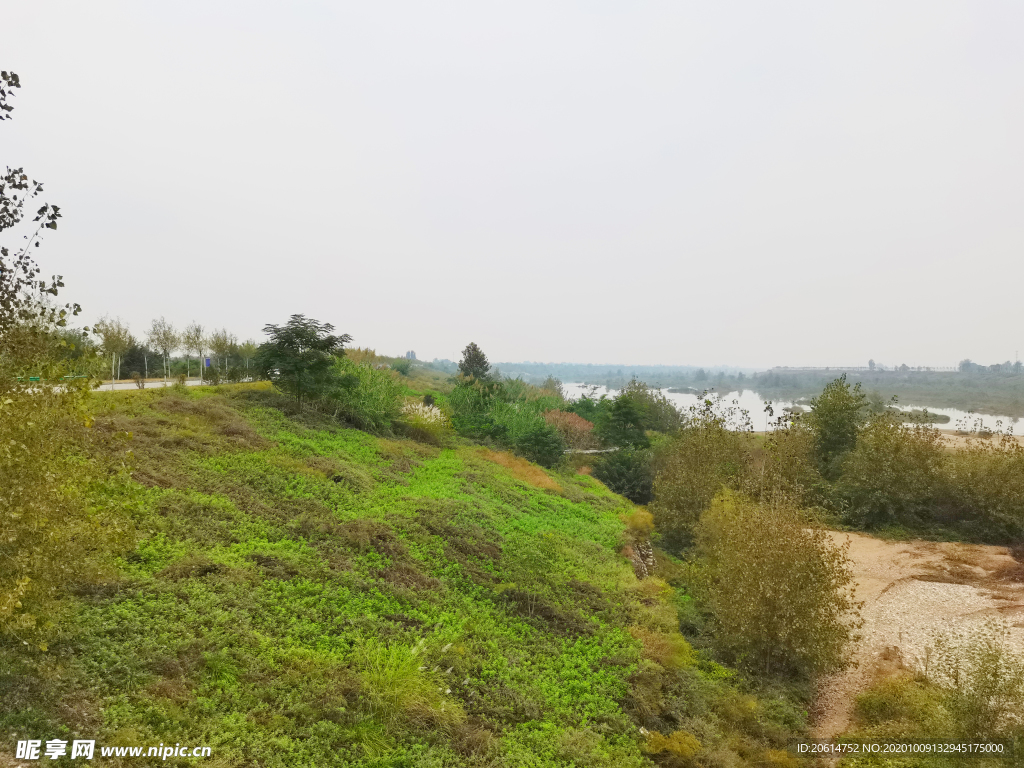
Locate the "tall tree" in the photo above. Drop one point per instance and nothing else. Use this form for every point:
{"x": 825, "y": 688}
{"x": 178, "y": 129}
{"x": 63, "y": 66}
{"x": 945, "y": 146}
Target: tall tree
{"x": 116, "y": 340}
{"x": 192, "y": 340}
{"x": 163, "y": 338}
{"x": 220, "y": 343}
{"x": 247, "y": 351}
{"x": 474, "y": 362}
{"x": 300, "y": 356}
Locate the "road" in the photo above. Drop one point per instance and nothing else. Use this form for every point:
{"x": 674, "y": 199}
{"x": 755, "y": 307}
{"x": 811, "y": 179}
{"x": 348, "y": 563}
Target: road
{"x": 150, "y": 384}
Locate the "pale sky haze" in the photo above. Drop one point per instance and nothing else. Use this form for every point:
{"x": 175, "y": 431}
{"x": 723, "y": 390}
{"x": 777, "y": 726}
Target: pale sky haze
{"x": 742, "y": 183}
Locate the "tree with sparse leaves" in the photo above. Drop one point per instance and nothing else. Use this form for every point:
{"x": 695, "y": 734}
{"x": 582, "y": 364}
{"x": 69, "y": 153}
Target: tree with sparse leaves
{"x": 163, "y": 338}
{"x": 300, "y": 357}
{"x": 51, "y": 532}
{"x": 474, "y": 362}
{"x": 192, "y": 340}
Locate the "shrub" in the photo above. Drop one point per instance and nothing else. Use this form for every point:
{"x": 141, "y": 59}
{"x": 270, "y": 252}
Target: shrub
{"x": 780, "y": 593}
{"x": 984, "y": 482}
{"x": 623, "y": 424}
{"x": 692, "y": 467}
{"x": 541, "y": 443}
{"x": 984, "y": 677}
{"x": 576, "y": 432}
{"x": 787, "y": 467}
{"x": 367, "y": 397}
{"x": 589, "y": 407}
{"x": 427, "y": 422}
{"x": 52, "y": 532}
{"x": 401, "y": 691}
{"x": 678, "y": 744}
{"x": 628, "y": 473}
{"x": 401, "y": 365}
{"x": 836, "y": 416}
{"x": 657, "y": 412}
{"x": 894, "y": 474}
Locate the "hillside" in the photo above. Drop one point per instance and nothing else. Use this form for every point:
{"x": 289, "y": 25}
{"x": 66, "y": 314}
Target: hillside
{"x": 299, "y": 593}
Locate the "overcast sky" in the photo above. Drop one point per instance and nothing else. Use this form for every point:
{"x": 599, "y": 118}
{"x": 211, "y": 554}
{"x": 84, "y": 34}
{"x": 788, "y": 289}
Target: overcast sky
{"x": 633, "y": 182}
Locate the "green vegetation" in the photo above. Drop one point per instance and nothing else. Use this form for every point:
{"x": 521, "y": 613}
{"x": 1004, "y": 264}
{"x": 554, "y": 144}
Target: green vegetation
{"x": 295, "y": 592}
{"x": 709, "y": 451}
{"x": 997, "y": 389}
{"x": 836, "y": 416}
{"x": 474, "y": 363}
{"x": 971, "y": 688}
{"x": 779, "y": 591}
{"x": 300, "y": 357}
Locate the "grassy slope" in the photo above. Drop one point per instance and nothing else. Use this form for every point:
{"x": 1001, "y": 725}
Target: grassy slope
{"x": 284, "y": 567}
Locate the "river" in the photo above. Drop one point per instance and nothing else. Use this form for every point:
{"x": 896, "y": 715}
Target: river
{"x": 754, "y": 404}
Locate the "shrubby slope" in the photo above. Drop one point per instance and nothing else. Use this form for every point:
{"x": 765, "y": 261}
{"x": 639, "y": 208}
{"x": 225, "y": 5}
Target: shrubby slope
{"x": 298, "y": 593}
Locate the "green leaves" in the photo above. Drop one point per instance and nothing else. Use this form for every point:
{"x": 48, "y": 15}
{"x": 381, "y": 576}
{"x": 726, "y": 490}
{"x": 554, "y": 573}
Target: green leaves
{"x": 299, "y": 358}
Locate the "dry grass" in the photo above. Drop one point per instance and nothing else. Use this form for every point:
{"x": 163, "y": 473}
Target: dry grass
{"x": 521, "y": 469}
{"x": 639, "y": 522}
{"x": 669, "y": 649}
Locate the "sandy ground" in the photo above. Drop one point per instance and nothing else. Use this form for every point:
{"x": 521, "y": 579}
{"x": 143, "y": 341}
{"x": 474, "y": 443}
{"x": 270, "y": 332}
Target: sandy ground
{"x": 911, "y": 591}
{"x": 954, "y": 440}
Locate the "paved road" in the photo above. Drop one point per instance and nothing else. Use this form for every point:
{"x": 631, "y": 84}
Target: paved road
{"x": 118, "y": 385}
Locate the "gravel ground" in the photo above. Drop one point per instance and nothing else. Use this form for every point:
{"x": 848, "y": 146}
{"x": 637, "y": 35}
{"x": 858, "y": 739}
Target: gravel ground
{"x": 911, "y": 592}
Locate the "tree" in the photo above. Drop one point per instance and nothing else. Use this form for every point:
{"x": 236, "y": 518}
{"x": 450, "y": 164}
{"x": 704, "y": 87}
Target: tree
{"x": 247, "y": 351}
{"x": 780, "y": 592}
{"x": 474, "y": 362}
{"x": 707, "y": 453}
{"x": 52, "y": 532}
{"x": 221, "y": 343}
{"x": 628, "y": 472}
{"x": 836, "y": 417}
{"x": 871, "y": 365}
{"x": 116, "y": 340}
{"x": 300, "y": 357}
{"x": 164, "y": 339}
{"x": 192, "y": 340}
{"x": 623, "y": 425}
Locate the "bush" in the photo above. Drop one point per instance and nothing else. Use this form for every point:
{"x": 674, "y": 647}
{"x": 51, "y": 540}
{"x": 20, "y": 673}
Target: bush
{"x": 836, "y": 417}
{"x": 893, "y": 475}
{"x": 576, "y": 432}
{"x": 590, "y": 408}
{"x": 427, "y": 423}
{"x": 541, "y": 443}
{"x": 52, "y": 530}
{"x": 788, "y": 467}
{"x": 984, "y": 483}
{"x": 628, "y": 473}
{"x": 694, "y": 465}
{"x": 984, "y": 677}
{"x": 401, "y": 691}
{"x": 623, "y": 424}
{"x": 401, "y": 365}
{"x": 366, "y": 397}
{"x": 780, "y": 593}
{"x": 657, "y": 412}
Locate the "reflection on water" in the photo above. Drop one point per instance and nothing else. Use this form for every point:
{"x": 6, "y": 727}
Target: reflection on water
{"x": 754, "y": 404}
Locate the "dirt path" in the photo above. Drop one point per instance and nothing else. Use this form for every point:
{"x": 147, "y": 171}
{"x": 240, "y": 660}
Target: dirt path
{"x": 912, "y": 590}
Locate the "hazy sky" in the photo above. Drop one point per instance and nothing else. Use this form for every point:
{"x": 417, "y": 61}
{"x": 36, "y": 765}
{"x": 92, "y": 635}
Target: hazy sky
{"x": 633, "y": 182}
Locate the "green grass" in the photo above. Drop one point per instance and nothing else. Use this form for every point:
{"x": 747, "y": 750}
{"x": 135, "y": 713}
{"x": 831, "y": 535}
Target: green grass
{"x": 303, "y": 594}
